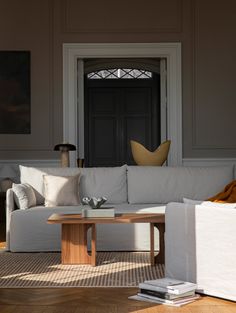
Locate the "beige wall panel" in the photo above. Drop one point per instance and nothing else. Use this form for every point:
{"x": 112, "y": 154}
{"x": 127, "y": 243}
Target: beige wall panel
{"x": 187, "y": 75}
{"x": 214, "y": 108}
{"x": 206, "y": 30}
{"x": 27, "y": 25}
{"x": 121, "y": 16}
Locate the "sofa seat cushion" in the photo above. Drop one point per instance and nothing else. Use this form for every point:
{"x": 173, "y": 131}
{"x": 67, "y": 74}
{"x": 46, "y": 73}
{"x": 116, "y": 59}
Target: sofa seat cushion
{"x": 94, "y": 182}
{"x": 30, "y": 231}
{"x": 148, "y": 184}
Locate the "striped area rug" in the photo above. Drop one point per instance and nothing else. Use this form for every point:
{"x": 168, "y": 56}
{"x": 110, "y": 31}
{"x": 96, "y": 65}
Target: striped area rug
{"x": 42, "y": 270}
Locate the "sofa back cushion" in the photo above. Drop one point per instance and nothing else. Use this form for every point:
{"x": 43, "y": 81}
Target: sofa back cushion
{"x": 149, "y": 184}
{"x": 107, "y": 181}
{"x": 110, "y": 182}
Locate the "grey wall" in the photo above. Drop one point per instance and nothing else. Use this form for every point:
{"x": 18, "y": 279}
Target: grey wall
{"x": 207, "y": 30}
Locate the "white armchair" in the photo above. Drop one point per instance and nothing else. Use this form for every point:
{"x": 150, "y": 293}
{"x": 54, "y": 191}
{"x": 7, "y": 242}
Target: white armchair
{"x": 200, "y": 246}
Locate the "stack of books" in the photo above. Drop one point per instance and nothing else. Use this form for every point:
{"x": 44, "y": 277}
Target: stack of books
{"x": 166, "y": 291}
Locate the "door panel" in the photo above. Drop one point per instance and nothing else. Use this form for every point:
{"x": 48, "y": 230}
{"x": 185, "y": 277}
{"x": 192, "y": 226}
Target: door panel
{"x": 103, "y": 101}
{"x": 137, "y": 100}
{"x": 104, "y": 147}
{"x": 117, "y": 111}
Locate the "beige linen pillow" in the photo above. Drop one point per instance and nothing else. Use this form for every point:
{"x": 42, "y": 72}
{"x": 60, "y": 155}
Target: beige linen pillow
{"x": 61, "y": 190}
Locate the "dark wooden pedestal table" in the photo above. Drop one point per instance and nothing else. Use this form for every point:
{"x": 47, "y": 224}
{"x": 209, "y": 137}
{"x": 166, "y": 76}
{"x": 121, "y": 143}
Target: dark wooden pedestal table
{"x": 75, "y": 228}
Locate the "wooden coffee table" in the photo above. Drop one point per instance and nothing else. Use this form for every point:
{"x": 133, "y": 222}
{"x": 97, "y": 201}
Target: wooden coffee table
{"x": 74, "y": 235}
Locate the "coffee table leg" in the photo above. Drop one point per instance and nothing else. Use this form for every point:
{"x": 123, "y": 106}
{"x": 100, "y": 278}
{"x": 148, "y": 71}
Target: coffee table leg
{"x": 93, "y": 245}
{"x": 152, "y": 257}
{"x": 160, "y": 257}
{"x": 74, "y": 244}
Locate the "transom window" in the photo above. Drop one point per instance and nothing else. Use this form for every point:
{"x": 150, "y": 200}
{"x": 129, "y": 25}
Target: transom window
{"x": 120, "y": 73}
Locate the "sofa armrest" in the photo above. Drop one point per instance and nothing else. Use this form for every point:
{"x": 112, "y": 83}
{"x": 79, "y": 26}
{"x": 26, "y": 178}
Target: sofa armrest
{"x": 180, "y": 242}
{"x": 10, "y": 207}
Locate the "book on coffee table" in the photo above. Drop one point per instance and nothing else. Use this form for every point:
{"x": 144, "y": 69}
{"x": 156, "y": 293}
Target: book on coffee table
{"x": 94, "y": 213}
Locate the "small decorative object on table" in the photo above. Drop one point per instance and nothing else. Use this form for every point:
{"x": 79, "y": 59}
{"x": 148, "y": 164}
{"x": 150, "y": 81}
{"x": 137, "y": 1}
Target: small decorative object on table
{"x": 95, "y": 204}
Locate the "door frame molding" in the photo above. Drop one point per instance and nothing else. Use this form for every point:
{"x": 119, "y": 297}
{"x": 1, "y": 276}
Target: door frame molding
{"x": 73, "y": 104}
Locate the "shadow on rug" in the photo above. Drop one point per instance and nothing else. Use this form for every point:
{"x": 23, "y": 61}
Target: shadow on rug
{"x": 40, "y": 270}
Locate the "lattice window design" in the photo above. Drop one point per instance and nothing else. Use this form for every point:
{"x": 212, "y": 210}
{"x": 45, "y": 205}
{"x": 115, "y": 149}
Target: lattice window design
{"x": 120, "y": 73}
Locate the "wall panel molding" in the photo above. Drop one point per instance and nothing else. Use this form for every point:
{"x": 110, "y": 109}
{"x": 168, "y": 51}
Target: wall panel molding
{"x": 49, "y": 146}
{"x": 194, "y": 58}
{"x": 51, "y": 74}
{"x": 68, "y": 7}
{"x": 195, "y": 80}
{"x": 31, "y": 142}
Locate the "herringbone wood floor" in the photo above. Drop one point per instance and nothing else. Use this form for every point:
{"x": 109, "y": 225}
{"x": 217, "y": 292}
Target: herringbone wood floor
{"x": 95, "y": 300}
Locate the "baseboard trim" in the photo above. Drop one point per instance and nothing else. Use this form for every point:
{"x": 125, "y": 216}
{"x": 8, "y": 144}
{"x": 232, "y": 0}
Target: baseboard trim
{"x": 39, "y": 163}
{"x": 208, "y": 161}
{"x": 13, "y": 165}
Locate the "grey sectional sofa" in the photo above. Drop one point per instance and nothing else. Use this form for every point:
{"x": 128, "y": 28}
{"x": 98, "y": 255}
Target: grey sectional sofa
{"x": 128, "y": 188}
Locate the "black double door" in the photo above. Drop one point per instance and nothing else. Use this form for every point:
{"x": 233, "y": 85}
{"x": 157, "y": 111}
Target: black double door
{"x": 117, "y": 111}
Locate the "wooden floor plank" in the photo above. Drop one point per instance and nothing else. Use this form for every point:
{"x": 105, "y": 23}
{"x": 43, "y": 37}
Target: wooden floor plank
{"x": 60, "y": 309}
{"x": 97, "y": 300}
{"x": 8, "y": 308}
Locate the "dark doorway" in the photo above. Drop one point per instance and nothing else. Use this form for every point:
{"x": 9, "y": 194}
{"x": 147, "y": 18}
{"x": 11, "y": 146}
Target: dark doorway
{"x": 116, "y": 111}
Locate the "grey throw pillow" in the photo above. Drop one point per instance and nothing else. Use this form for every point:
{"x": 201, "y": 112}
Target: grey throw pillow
{"x": 24, "y": 196}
